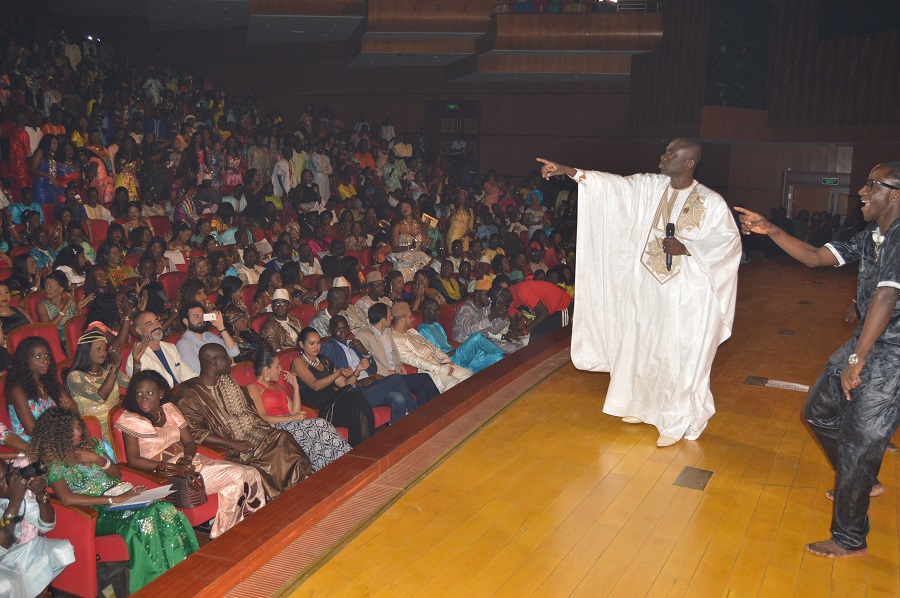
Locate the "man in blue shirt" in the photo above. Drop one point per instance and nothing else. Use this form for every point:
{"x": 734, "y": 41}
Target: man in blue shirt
{"x": 198, "y": 334}
{"x": 476, "y": 353}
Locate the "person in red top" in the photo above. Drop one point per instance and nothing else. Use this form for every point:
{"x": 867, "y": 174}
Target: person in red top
{"x": 54, "y": 126}
{"x": 551, "y": 305}
{"x": 19, "y": 148}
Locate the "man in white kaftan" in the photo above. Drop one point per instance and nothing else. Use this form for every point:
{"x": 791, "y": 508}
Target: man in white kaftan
{"x": 655, "y": 330}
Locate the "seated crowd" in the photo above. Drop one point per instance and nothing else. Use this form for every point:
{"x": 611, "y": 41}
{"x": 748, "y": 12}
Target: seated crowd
{"x": 179, "y": 270}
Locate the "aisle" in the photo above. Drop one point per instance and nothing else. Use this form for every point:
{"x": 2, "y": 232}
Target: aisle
{"x": 553, "y": 498}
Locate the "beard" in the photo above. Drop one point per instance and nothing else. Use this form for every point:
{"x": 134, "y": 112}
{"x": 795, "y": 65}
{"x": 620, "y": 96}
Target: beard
{"x": 199, "y": 328}
{"x": 157, "y": 335}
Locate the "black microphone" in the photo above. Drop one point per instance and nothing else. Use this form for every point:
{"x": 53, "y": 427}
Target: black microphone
{"x": 670, "y": 234}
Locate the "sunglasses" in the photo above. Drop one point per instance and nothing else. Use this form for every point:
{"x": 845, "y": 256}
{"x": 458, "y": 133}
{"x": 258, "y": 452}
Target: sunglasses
{"x": 871, "y": 182}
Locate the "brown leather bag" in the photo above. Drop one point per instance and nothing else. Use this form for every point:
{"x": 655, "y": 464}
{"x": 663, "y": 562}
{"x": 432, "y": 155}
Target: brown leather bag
{"x": 188, "y": 490}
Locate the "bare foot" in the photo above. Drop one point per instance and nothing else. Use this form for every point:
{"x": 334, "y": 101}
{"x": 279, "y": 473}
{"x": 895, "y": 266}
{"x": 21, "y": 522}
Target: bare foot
{"x": 877, "y": 490}
{"x": 831, "y": 550}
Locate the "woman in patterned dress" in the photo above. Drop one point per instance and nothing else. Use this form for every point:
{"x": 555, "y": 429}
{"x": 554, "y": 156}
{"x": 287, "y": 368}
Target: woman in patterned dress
{"x": 318, "y": 438}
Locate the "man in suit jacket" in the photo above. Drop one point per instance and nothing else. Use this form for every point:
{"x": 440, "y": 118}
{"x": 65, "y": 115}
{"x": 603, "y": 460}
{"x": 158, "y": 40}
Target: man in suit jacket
{"x": 376, "y": 338}
{"x": 390, "y": 391}
{"x": 154, "y": 354}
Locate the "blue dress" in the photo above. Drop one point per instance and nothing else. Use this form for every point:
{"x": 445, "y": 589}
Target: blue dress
{"x": 46, "y": 190}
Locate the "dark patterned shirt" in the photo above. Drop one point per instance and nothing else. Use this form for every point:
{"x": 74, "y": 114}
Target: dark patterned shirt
{"x": 879, "y": 266}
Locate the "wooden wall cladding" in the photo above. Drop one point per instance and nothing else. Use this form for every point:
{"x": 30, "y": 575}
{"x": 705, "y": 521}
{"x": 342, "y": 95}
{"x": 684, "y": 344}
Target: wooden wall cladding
{"x": 667, "y": 85}
{"x": 756, "y": 170}
{"x": 419, "y": 45}
{"x": 471, "y": 16}
{"x": 591, "y": 32}
{"x": 837, "y": 82}
{"x": 619, "y": 64}
{"x": 331, "y": 8}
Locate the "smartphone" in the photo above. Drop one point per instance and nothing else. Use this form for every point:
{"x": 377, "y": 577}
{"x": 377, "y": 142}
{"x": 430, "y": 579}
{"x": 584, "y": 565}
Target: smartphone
{"x": 209, "y": 317}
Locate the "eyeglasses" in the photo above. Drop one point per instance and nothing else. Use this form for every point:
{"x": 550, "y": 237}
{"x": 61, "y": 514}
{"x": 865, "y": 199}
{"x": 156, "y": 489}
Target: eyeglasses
{"x": 871, "y": 182}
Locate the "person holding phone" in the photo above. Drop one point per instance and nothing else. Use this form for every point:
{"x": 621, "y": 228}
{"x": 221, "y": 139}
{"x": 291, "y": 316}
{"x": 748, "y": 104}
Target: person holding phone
{"x": 153, "y": 353}
{"x": 197, "y": 322}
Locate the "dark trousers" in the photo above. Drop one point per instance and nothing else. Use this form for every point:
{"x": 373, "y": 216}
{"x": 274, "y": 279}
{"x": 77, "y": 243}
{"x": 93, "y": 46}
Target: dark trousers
{"x": 422, "y": 386}
{"x": 392, "y": 392}
{"x": 854, "y": 435}
{"x": 554, "y": 321}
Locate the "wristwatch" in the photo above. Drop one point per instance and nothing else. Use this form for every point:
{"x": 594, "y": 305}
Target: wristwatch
{"x": 853, "y": 359}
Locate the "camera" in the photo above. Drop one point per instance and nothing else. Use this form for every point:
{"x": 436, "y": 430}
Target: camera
{"x": 209, "y": 317}
{"x": 32, "y": 470}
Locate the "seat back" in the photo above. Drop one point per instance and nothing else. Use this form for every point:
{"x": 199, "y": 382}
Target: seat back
{"x": 311, "y": 281}
{"x": 93, "y": 426}
{"x": 97, "y": 229}
{"x": 304, "y": 313}
{"x": 19, "y": 250}
{"x": 365, "y": 258}
{"x": 171, "y": 281}
{"x": 286, "y": 358}
{"x": 257, "y": 322}
{"x": 45, "y": 330}
{"x": 243, "y": 373}
{"x": 73, "y": 329}
{"x": 134, "y": 260}
{"x": 115, "y": 435}
{"x": 125, "y": 352}
{"x": 247, "y": 292}
{"x": 161, "y": 225}
{"x": 30, "y": 303}
{"x": 446, "y": 318}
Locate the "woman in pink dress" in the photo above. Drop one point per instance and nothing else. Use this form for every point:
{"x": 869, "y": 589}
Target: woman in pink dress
{"x": 233, "y": 163}
{"x": 96, "y": 175}
{"x": 157, "y": 439}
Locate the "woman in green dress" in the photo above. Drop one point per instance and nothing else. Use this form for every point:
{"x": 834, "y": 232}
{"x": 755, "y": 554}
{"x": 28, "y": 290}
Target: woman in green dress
{"x": 157, "y": 535}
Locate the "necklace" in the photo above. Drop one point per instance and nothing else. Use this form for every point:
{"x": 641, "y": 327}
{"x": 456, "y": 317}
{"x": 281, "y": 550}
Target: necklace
{"x": 314, "y": 364}
{"x": 156, "y": 419}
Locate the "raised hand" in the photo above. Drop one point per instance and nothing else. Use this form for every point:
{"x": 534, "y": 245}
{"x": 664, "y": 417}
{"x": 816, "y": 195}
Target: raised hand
{"x": 85, "y": 301}
{"x": 139, "y": 349}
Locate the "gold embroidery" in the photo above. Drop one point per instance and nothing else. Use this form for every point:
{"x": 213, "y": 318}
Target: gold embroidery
{"x": 689, "y": 219}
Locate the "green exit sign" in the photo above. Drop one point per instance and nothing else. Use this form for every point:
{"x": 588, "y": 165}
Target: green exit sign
{"x": 829, "y": 181}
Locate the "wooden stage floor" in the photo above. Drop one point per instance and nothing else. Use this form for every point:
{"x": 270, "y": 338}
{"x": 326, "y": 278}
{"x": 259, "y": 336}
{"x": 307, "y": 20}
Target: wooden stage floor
{"x": 553, "y": 498}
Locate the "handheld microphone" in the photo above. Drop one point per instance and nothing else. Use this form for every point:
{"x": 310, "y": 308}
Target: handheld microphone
{"x": 670, "y": 234}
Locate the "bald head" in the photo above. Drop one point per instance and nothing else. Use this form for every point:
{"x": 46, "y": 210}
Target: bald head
{"x": 680, "y": 160}
{"x": 692, "y": 149}
{"x": 402, "y": 316}
{"x": 211, "y": 361}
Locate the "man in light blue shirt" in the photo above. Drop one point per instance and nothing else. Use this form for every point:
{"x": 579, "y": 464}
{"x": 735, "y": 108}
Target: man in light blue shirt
{"x": 198, "y": 334}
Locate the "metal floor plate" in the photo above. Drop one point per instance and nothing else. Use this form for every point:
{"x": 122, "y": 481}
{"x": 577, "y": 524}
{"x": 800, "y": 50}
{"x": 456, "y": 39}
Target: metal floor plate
{"x": 693, "y": 477}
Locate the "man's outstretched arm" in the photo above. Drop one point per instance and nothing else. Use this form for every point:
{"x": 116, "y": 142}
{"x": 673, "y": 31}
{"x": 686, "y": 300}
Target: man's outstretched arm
{"x": 751, "y": 222}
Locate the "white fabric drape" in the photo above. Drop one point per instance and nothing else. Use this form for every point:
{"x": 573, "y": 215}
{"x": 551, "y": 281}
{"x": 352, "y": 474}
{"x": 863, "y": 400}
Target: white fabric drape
{"x": 656, "y": 332}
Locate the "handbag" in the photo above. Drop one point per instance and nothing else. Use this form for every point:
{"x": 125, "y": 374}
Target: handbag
{"x": 188, "y": 490}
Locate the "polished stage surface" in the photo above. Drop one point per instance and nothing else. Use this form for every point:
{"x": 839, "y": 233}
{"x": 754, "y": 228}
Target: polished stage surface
{"x": 553, "y": 498}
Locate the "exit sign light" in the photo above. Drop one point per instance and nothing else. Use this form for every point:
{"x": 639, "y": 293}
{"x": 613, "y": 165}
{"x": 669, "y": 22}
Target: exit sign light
{"x": 829, "y": 181}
